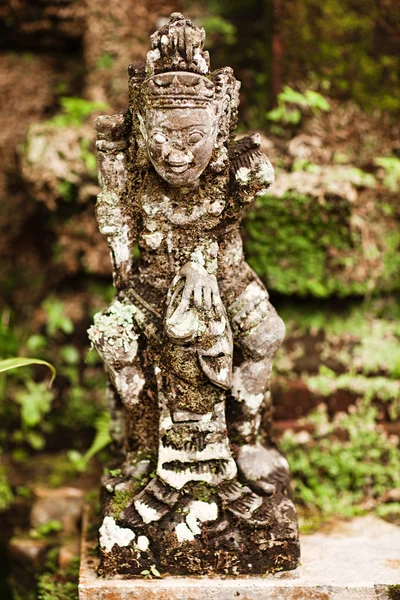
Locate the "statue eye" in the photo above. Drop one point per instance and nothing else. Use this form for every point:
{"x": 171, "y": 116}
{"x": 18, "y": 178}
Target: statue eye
{"x": 159, "y": 138}
{"x": 195, "y": 137}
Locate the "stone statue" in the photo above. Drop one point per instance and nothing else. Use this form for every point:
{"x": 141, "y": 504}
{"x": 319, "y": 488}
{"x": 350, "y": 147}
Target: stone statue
{"x": 188, "y": 342}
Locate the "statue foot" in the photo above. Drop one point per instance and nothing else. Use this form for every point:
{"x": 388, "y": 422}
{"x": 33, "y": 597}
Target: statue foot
{"x": 242, "y": 502}
{"x": 113, "y": 481}
{"x": 265, "y": 469}
{"x": 151, "y": 504}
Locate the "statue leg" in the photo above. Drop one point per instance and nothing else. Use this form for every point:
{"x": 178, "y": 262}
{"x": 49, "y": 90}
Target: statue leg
{"x": 258, "y": 333}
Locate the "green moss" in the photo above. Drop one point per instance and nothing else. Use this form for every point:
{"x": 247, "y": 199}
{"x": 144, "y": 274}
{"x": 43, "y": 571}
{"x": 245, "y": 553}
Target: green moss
{"x": 203, "y": 492}
{"x": 335, "y": 474}
{"x": 62, "y": 585}
{"x": 288, "y": 239}
{"x": 121, "y": 500}
{"x": 306, "y": 246}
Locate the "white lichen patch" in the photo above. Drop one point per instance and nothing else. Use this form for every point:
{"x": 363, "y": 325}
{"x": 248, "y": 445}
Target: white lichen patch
{"x": 111, "y": 533}
{"x": 199, "y": 512}
{"x": 185, "y": 325}
{"x": 258, "y": 462}
{"x": 147, "y": 513}
{"x": 266, "y": 173}
{"x": 142, "y": 543}
{"x": 198, "y": 257}
{"x": 200, "y": 61}
{"x": 243, "y": 175}
{"x": 183, "y": 533}
{"x": 121, "y": 246}
{"x": 252, "y": 401}
{"x": 129, "y": 383}
{"x": 224, "y": 374}
{"x": 153, "y": 240}
{"x": 153, "y": 56}
{"x": 113, "y": 331}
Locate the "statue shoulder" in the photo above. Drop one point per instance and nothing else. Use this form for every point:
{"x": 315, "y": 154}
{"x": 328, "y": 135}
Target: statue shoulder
{"x": 113, "y": 131}
{"x": 251, "y": 171}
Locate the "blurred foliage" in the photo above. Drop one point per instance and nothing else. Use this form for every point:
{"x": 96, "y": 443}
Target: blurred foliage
{"x": 101, "y": 440}
{"x": 349, "y": 46}
{"x": 46, "y": 529}
{"x": 6, "y": 494}
{"x": 391, "y": 166}
{"x": 59, "y": 583}
{"x": 345, "y": 461}
{"x": 74, "y": 111}
{"x": 288, "y": 112}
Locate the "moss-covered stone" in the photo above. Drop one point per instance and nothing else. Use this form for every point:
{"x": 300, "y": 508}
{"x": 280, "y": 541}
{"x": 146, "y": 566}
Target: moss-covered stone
{"x": 321, "y": 234}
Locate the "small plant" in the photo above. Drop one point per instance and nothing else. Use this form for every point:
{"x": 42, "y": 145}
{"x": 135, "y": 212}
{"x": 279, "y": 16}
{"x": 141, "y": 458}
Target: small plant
{"x": 20, "y": 361}
{"x": 59, "y": 584}
{"x": 290, "y": 102}
{"x": 150, "y": 573}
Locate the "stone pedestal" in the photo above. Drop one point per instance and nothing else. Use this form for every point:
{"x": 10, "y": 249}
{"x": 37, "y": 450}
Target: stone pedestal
{"x": 357, "y": 560}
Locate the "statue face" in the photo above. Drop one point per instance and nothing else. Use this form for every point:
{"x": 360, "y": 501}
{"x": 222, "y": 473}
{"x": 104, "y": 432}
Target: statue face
{"x": 180, "y": 142}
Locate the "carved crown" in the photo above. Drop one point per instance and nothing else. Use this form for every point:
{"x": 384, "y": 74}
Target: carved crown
{"x": 178, "y": 46}
{"x": 178, "y": 89}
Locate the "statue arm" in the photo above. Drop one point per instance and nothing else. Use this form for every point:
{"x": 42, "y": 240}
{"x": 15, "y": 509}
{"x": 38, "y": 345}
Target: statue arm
{"x": 113, "y": 211}
{"x": 251, "y": 171}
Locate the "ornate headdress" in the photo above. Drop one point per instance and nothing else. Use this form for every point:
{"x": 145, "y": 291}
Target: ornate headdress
{"x": 177, "y": 74}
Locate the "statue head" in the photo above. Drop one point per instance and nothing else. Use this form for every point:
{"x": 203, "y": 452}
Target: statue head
{"x": 184, "y": 111}
{"x": 180, "y": 125}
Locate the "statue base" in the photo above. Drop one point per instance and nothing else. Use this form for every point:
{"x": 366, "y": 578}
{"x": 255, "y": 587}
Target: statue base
{"x": 223, "y": 530}
{"x": 328, "y": 571}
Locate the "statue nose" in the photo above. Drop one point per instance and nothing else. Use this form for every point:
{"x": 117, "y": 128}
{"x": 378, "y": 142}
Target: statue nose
{"x": 179, "y": 157}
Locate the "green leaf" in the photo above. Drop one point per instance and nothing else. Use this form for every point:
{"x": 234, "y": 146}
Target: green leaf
{"x": 154, "y": 571}
{"x": 101, "y": 440}
{"x": 316, "y": 100}
{"x": 290, "y": 95}
{"x": 20, "y": 361}
{"x": 35, "y": 402}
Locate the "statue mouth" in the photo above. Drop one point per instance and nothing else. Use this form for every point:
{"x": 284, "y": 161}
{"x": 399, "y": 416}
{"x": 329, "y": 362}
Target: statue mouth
{"x": 179, "y": 168}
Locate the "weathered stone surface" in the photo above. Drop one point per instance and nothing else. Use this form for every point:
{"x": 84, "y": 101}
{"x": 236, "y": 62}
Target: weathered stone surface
{"x": 68, "y": 551}
{"x": 327, "y": 231}
{"x": 62, "y": 504}
{"x": 28, "y": 553}
{"x": 355, "y": 560}
{"x": 189, "y": 340}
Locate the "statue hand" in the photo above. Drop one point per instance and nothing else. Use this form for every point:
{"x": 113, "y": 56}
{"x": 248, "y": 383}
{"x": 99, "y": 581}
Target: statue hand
{"x": 193, "y": 292}
{"x": 202, "y": 286}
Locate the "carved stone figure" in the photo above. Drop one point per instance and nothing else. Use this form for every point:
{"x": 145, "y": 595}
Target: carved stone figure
{"x": 199, "y": 487}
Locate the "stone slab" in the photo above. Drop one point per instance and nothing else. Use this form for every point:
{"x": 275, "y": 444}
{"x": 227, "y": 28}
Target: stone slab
{"x": 354, "y": 560}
